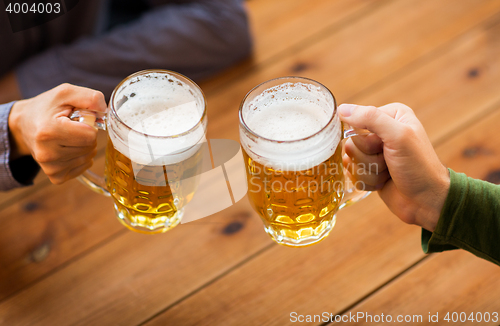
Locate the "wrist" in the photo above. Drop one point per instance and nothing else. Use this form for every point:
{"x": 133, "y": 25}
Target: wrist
{"x": 16, "y": 138}
{"x": 429, "y": 214}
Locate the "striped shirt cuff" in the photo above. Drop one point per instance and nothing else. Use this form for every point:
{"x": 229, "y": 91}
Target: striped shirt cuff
{"x": 7, "y": 180}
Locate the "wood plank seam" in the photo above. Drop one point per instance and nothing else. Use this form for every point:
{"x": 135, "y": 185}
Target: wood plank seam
{"x": 389, "y": 282}
{"x": 487, "y": 23}
{"x": 206, "y": 284}
{"x": 67, "y": 263}
{"x": 39, "y": 186}
{"x": 477, "y": 119}
{"x": 371, "y": 9}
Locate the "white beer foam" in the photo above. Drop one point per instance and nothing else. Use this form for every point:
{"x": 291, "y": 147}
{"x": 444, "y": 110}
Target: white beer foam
{"x": 158, "y": 106}
{"x": 289, "y": 114}
{"x": 157, "y": 118}
{"x": 288, "y": 119}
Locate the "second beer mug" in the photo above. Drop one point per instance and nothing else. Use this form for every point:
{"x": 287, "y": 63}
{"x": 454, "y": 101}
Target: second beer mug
{"x": 156, "y": 126}
{"x": 292, "y": 137}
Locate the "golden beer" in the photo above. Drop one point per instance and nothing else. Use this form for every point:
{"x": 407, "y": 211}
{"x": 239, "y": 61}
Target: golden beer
{"x": 296, "y": 205}
{"x": 147, "y": 199}
{"x": 291, "y": 138}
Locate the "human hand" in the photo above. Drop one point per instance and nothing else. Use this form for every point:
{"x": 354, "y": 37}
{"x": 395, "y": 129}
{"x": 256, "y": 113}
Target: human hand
{"x": 398, "y": 161}
{"x": 9, "y": 89}
{"x": 40, "y": 127}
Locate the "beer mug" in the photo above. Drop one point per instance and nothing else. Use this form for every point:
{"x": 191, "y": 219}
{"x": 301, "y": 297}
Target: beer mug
{"x": 156, "y": 125}
{"x": 292, "y": 140}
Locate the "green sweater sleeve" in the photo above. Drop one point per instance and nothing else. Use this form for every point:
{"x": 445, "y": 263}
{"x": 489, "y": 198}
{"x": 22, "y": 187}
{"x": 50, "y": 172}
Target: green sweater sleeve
{"x": 470, "y": 219}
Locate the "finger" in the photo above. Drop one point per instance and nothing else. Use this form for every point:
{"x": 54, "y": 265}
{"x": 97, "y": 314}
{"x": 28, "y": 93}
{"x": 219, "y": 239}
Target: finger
{"x": 80, "y": 97}
{"x": 63, "y": 154}
{"x": 79, "y": 170}
{"x": 397, "y": 110}
{"x": 359, "y": 173}
{"x": 373, "y": 163}
{"x": 57, "y": 168}
{"x": 376, "y": 120}
{"x": 369, "y": 144}
{"x": 66, "y": 175}
{"x": 360, "y": 185}
{"x": 70, "y": 152}
{"x": 75, "y": 134}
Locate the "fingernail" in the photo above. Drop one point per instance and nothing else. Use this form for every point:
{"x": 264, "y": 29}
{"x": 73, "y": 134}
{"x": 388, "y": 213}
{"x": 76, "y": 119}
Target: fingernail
{"x": 346, "y": 109}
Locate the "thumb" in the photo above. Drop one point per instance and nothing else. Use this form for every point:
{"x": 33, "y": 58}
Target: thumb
{"x": 382, "y": 123}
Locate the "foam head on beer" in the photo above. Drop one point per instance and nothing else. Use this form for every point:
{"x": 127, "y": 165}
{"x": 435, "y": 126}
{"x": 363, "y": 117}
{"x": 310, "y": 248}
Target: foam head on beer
{"x": 288, "y": 118}
{"x": 164, "y": 115}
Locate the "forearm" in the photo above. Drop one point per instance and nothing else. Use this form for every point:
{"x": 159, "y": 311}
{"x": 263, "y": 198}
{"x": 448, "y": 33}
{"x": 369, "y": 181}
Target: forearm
{"x": 196, "y": 39}
{"x": 470, "y": 219}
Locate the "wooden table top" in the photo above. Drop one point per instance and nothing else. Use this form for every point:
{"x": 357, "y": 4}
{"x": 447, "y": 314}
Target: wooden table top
{"x": 66, "y": 260}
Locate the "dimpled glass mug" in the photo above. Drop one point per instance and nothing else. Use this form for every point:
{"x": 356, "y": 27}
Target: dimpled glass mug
{"x": 156, "y": 125}
{"x": 291, "y": 137}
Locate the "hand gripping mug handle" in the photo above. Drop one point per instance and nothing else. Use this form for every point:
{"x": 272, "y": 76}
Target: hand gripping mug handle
{"x": 351, "y": 194}
{"x": 89, "y": 178}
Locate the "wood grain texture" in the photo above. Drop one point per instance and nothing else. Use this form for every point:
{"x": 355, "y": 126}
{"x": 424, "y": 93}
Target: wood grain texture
{"x": 445, "y": 283}
{"x": 463, "y": 79}
{"x": 135, "y": 275}
{"x": 48, "y": 228}
{"x": 41, "y": 181}
{"x": 475, "y": 151}
{"x": 282, "y": 26}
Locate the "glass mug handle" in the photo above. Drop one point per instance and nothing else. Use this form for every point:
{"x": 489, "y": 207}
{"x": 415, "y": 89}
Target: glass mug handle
{"x": 351, "y": 194}
{"x": 89, "y": 178}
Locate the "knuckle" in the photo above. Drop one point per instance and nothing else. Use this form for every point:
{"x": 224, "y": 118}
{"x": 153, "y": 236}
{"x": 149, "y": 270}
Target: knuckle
{"x": 54, "y": 177}
{"x": 369, "y": 113}
{"x": 97, "y": 97}
{"x": 88, "y": 165}
{"x": 56, "y": 180}
{"x": 42, "y": 136}
{"x": 349, "y": 148}
{"x": 407, "y": 131}
{"x": 89, "y": 140}
{"x": 43, "y": 156}
{"x": 405, "y": 134}
{"x": 403, "y": 106}
{"x": 83, "y": 160}
{"x": 64, "y": 89}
